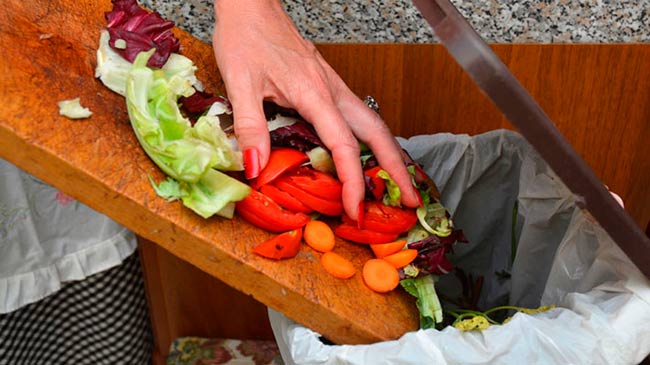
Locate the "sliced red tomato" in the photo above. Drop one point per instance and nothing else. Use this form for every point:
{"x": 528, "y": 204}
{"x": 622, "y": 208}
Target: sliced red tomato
{"x": 318, "y": 183}
{"x": 324, "y": 206}
{"x": 360, "y": 213}
{"x": 282, "y": 246}
{"x": 347, "y": 220}
{"x": 383, "y": 218}
{"x": 284, "y": 199}
{"x": 378, "y": 184}
{"x": 263, "y": 212}
{"x": 353, "y": 233}
{"x": 281, "y": 160}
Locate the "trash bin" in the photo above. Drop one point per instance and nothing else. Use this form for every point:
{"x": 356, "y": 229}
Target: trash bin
{"x": 520, "y": 219}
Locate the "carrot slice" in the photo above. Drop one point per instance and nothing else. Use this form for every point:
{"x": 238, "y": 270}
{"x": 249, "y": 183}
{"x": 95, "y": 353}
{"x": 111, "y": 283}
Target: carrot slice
{"x": 319, "y": 236}
{"x": 337, "y": 266}
{"x": 385, "y": 249}
{"x": 401, "y": 258}
{"x": 380, "y": 276}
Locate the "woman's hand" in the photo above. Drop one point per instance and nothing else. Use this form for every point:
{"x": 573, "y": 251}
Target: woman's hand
{"x": 262, "y": 56}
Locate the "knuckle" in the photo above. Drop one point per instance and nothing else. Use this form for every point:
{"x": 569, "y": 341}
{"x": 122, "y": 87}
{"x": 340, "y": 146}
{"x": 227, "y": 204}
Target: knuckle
{"x": 316, "y": 83}
{"x": 343, "y": 146}
{"x": 248, "y": 125}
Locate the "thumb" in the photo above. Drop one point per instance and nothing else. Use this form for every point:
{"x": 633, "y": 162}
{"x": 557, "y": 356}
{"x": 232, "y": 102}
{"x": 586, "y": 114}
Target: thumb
{"x": 251, "y": 130}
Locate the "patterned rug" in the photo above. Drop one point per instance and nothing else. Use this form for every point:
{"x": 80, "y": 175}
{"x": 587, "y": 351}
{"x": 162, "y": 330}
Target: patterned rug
{"x": 203, "y": 351}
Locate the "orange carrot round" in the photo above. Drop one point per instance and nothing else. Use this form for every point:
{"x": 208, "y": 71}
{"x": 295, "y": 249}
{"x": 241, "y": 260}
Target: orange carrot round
{"x": 380, "y": 276}
{"x": 337, "y": 266}
{"x": 385, "y": 249}
{"x": 319, "y": 236}
{"x": 401, "y": 258}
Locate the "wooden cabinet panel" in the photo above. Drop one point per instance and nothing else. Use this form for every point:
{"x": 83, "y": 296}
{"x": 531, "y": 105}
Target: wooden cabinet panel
{"x": 598, "y": 95}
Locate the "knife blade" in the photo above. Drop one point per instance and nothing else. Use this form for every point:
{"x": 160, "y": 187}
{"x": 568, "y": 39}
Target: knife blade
{"x": 492, "y": 76}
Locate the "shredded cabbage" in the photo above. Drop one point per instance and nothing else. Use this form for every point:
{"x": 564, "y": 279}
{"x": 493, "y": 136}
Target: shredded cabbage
{"x": 72, "y": 109}
{"x": 189, "y": 155}
{"x": 433, "y": 219}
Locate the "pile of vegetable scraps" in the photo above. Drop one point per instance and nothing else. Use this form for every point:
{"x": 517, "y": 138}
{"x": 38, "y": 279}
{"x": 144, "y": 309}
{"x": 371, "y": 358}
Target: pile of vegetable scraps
{"x": 297, "y": 195}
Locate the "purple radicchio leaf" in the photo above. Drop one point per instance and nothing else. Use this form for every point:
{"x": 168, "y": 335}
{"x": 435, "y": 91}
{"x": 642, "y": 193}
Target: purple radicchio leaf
{"x": 370, "y": 186}
{"x": 299, "y": 135}
{"x": 142, "y": 31}
{"x": 472, "y": 287}
{"x": 201, "y": 101}
{"x": 370, "y": 162}
{"x": 432, "y": 260}
{"x": 431, "y": 257}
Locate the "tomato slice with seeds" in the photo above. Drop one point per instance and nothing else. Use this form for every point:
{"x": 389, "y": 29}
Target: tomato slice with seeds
{"x": 324, "y": 206}
{"x": 284, "y": 199}
{"x": 318, "y": 183}
{"x": 281, "y": 160}
{"x": 353, "y": 233}
{"x": 282, "y": 246}
{"x": 263, "y": 212}
{"x": 382, "y": 218}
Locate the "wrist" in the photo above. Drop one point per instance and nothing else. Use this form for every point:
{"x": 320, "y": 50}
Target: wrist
{"x": 226, "y": 7}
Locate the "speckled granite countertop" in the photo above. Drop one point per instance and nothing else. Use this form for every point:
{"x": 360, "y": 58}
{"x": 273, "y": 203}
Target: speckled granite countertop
{"x": 498, "y": 21}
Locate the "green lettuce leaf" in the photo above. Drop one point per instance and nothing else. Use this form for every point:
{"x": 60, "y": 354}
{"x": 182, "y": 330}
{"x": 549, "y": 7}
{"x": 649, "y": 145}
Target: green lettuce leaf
{"x": 393, "y": 196}
{"x": 423, "y": 288}
{"x": 215, "y": 193}
{"x": 168, "y": 189}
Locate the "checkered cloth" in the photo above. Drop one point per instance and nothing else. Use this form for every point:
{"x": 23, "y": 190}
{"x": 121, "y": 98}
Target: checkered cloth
{"x": 102, "y": 319}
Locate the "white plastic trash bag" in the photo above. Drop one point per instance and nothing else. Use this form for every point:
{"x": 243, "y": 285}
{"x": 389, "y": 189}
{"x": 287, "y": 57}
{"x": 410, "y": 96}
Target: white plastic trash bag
{"x": 563, "y": 258}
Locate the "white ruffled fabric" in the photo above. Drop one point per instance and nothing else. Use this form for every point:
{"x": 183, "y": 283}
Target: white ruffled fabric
{"x": 47, "y": 238}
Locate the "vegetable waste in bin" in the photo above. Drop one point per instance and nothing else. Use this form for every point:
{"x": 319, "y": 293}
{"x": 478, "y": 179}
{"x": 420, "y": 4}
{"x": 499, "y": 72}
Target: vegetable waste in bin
{"x": 534, "y": 247}
{"x": 534, "y": 242}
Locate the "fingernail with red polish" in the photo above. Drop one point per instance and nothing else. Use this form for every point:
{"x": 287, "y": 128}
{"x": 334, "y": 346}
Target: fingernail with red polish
{"x": 360, "y": 213}
{"x": 251, "y": 163}
{"x": 420, "y": 201}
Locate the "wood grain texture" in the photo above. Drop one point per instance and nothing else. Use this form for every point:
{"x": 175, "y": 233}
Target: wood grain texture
{"x": 99, "y": 162}
{"x": 185, "y": 301}
{"x": 597, "y": 95}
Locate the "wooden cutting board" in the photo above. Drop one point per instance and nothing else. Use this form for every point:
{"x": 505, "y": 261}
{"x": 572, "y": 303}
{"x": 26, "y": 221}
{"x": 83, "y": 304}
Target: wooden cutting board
{"x": 48, "y": 56}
